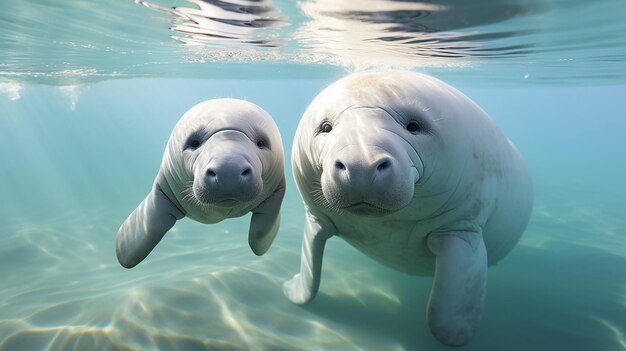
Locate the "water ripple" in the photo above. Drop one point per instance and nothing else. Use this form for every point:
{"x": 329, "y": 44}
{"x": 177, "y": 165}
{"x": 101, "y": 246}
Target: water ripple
{"x": 409, "y": 34}
{"x": 227, "y": 22}
{"x": 537, "y": 41}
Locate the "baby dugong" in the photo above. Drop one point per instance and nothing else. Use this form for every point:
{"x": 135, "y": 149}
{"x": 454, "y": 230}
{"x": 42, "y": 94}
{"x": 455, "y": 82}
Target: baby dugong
{"x": 223, "y": 159}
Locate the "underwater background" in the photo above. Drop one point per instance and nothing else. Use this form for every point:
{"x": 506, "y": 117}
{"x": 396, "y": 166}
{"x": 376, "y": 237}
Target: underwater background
{"x": 90, "y": 91}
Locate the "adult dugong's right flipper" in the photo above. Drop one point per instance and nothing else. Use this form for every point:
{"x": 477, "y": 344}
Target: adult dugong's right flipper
{"x": 144, "y": 227}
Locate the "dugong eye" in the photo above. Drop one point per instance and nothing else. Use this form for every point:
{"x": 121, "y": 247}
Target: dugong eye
{"x": 260, "y": 144}
{"x": 192, "y": 144}
{"x": 413, "y": 127}
{"x": 326, "y": 127}
{"x": 194, "y": 140}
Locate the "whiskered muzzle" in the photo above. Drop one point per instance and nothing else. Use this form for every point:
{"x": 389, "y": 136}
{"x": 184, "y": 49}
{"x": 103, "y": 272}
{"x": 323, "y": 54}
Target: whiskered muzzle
{"x": 367, "y": 181}
{"x": 227, "y": 181}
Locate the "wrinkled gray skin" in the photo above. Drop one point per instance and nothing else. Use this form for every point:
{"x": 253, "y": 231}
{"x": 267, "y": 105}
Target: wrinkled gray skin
{"x": 223, "y": 160}
{"x": 415, "y": 175}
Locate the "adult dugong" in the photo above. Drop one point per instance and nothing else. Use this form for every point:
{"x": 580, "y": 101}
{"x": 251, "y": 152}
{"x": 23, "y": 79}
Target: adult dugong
{"x": 224, "y": 159}
{"x": 415, "y": 175}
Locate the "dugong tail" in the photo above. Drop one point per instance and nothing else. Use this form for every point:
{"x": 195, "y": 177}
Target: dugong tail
{"x": 145, "y": 227}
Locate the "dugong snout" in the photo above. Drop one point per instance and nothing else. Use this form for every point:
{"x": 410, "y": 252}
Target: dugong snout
{"x": 228, "y": 180}
{"x": 366, "y": 180}
{"x": 228, "y": 171}
{"x": 356, "y": 172}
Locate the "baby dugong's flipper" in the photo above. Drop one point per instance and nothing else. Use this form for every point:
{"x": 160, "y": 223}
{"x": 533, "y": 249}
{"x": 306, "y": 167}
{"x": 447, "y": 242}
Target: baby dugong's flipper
{"x": 145, "y": 227}
{"x": 265, "y": 221}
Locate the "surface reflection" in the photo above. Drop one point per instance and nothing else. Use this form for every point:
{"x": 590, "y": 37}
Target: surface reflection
{"x": 223, "y": 23}
{"x": 403, "y": 33}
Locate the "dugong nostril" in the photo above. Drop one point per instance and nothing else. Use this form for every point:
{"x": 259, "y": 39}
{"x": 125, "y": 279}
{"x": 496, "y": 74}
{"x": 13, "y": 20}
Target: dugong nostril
{"x": 246, "y": 172}
{"x": 340, "y": 166}
{"x": 383, "y": 165}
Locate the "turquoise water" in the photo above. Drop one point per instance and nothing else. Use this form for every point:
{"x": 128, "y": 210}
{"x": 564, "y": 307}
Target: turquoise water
{"x": 90, "y": 93}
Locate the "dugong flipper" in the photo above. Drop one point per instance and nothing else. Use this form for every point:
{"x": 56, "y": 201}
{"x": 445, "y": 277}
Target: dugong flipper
{"x": 457, "y": 296}
{"x": 265, "y": 221}
{"x": 414, "y": 174}
{"x": 145, "y": 227}
{"x": 224, "y": 159}
{"x": 303, "y": 287}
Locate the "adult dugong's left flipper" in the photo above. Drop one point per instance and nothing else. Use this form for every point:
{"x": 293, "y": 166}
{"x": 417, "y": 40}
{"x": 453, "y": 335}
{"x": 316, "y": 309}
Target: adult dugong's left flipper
{"x": 265, "y": 221}
{"x": 144, "y": 227}
{"x": 457, "y": 297}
